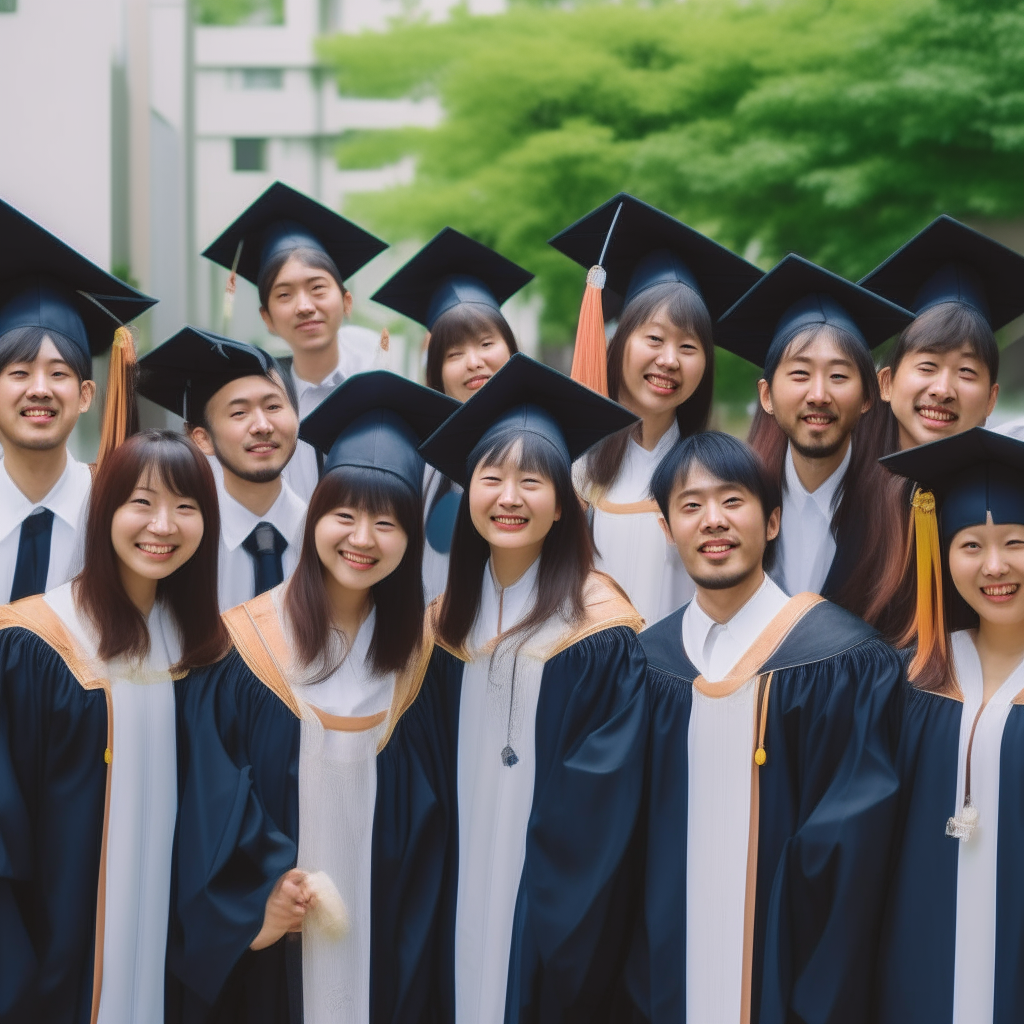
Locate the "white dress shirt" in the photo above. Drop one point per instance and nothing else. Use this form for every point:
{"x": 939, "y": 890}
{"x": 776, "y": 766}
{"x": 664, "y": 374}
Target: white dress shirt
{"x": 806, "y": 546}
{"x": 720, "y": 747}
{"x": 236, "y": 573}
{"x": 631, "y": 546}
{"x": 68, "y": 500}
{"x": 358, "y": 350}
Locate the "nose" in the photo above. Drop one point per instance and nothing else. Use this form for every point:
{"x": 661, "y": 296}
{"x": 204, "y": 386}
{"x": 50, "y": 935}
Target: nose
{"x": 994, "y": 563}
{"x": 817, "y": 393}
{"x": 714, "y": 518}
{"x": 39, "y": 384}
{"x": 162, "y": 524}
{"x": 260, "y": 424}
{"x": 304, "y": 302}
{"x": 474, "y": 357}
{"x": 942, "y": 385}
{"x": 667, "y": 358}
{"x": 509, "y": 495}
{"x": 362, "y": 535}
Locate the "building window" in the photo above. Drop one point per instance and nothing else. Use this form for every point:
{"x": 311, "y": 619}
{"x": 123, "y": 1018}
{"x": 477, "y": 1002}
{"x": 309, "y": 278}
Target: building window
{"x": 8, "y": 6}
{"x": 260, "y": 78}
{"x": 250, "y": 154}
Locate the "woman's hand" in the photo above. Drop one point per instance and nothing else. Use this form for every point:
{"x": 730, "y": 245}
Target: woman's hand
{"x": 286, "y": 909}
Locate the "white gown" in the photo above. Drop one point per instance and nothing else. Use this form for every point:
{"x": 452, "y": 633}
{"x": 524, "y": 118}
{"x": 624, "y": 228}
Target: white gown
{"x": 140, "y": 823}
{"x": 975, "y": 957}
{"x": 494, "y": 800}
{"x": 337, "y": 795}
{"x": 631, "y": 545}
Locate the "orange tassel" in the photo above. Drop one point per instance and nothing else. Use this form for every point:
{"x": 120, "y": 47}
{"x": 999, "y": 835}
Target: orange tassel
{"x": 931, "y": 627}
{"x": 120, "y": 410}
{"x": 589, "y": 357}
{"x": 385, "y": 339}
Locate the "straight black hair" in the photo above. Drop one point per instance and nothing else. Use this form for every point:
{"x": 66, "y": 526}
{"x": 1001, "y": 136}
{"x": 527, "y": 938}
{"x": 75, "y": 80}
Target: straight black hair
{"x": 21, "y": 345}
{"x": 942, "y": 328}
{"x": 201, "y": 394}
{"x": 457, "y": 325}
{"x": 398, "y": 598}
{"x": 686, "y": 309}
{"x": 316, "y": 259}
{"x": 566, "y": 559}
{"x": 727, "y": 459}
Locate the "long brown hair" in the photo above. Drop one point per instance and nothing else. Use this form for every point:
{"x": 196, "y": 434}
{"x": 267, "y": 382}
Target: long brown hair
{"x": 867, "y": 501}
{"x": 398, "y": 597}
{"x": 190, "y": 592}
{"x": 454, "y": 327}
{"x": 566, "y": 558}
{"x": 685, "y": 308}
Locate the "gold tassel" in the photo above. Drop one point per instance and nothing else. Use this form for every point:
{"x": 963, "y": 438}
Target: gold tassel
{"x": 228, "y": 307}
{"x": 120, "y": 411}
{"x": 931, "y": 629}
{"x": 385, "y": 340}
{"x": 589, "y": 357}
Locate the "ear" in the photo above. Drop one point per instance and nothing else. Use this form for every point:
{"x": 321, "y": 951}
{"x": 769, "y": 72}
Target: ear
{"x": 201, "y": 436}
{"x": 774, "y": 523}
{"x": 346, "y": 302}
{"x": 885, "y": 383}
{"x": 992, "y": 396}
{"x": 558, "y": 511}
{"x": 765, "y": 394}
{"x": 267, "y": 319}
{"x": 866, "y": 404}
{"x": 667, "y": 530}
{"x": 87, "y": 392}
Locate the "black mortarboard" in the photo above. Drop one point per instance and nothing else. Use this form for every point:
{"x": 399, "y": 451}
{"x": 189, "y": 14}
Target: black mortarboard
{"x": 531, "y": 397}
{"x": 950, "y": 262}
{"x": 648, "y": 247}
{"x": 186, "y": 371}
{"x": 970, "y": 474}
{"x": 285, "y": 219}
{"x": 795, "y": 294}
{"x": 45, "y": 283}
{"x": 377, "y": 420}
{"x": 448, "y": 271}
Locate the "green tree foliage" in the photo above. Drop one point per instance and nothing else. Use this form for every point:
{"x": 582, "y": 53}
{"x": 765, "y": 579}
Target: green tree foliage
{"x": 834, "y": 129}
{"x": 238, "y": 12}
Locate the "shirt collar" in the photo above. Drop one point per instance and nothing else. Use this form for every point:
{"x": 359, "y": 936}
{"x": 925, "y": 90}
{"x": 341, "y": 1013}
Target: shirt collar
{"x": 743, "y": 628}
{"x": 66, "y": 498}
{"x": 513, "y": 601}
{"x": 825, "y": 494}
{"x": 287, "y": 515}
{"x": 329, "y": 383}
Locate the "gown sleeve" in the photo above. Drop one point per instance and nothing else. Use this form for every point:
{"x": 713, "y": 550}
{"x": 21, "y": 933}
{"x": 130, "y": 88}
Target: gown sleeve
{"x": 580, "y": 890}
{"x": 238, "y": 753}
{"x": 415, "y": 853}
{"x": 826, "y": 826}
{"x": 53, "y": 735}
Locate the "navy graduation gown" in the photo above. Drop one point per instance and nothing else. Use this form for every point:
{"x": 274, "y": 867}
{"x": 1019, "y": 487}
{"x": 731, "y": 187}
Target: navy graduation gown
{"x": 579, "y": 887}
{"x": 53, "y": 734}
{"x": 917, "y": 954}
{"x": 827, "y": 798}
{"x": 238, "y": 764}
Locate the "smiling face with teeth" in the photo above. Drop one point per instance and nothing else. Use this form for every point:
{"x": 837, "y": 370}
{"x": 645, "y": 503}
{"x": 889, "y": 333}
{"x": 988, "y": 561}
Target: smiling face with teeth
{"x": 41, "y": 399}
{"x": 986, "y": 563}
{"x": 816, "y": 395}
{"x": 154, "y": 533}
{"x": 358, "y": 547}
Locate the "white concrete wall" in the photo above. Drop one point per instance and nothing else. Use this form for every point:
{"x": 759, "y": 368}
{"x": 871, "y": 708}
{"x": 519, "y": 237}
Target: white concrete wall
{"x": 55, "y": 80}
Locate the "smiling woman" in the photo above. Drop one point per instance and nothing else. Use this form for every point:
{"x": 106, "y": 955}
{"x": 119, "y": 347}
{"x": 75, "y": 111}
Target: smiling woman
{"x": 94, "y": 660}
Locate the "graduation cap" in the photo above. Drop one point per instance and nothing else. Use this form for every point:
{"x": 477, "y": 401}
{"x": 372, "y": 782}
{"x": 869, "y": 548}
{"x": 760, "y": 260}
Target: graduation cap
{"x": 377, "y": 420}
{"x": 970, "y": 475}
{"x": 950, "y": 262}
{"x": 639, "y": 247}
{"x": 451, "y": 269}
{"x": 283, "y": 219}
{"x": 186, "y": 371}
{"x": 528, "y": 396}
{"x": 45, "y": 283}
{"x": 797, "y": 294}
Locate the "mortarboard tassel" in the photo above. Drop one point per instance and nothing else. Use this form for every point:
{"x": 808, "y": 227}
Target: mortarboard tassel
{"x": 590, "y": 354}
{"x": 328, "y": 915}
{"x": 120, "y": 408}
{"x": 931, "y": 630}
{"x": 228, "y": 308}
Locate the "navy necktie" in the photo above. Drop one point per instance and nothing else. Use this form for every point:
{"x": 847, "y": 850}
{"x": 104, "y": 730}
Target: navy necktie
{"x": 265, "y": 546}
{"x": 33, "y": 554}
